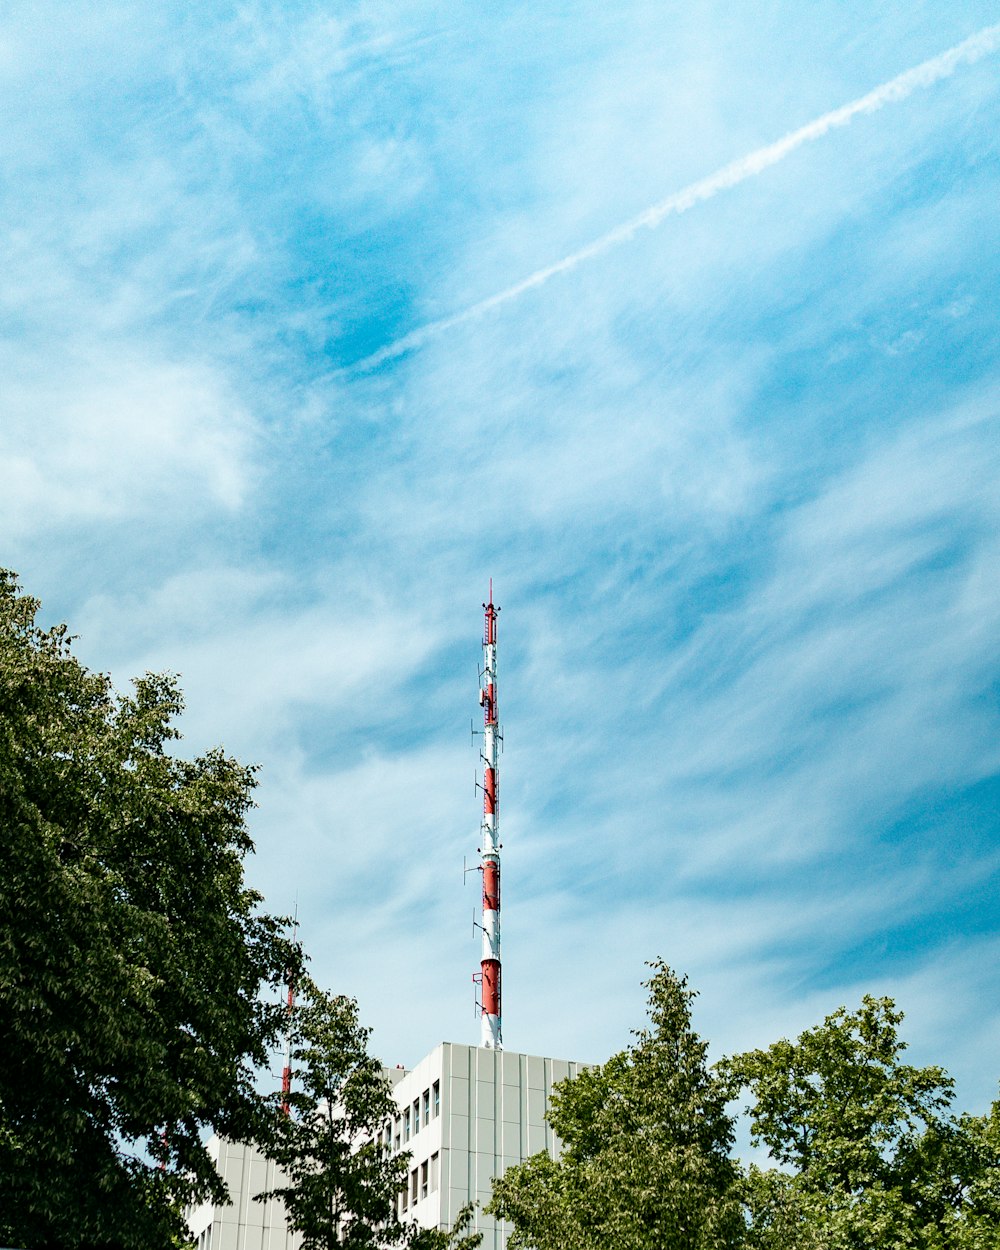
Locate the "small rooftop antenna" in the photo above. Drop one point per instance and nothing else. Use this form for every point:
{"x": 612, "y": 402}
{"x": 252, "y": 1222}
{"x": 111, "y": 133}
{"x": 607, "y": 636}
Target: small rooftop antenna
{"x": 286, "y": 1072}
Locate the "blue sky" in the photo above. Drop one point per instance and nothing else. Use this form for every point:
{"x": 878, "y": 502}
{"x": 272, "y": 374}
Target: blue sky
{"x": 734, "y": 474}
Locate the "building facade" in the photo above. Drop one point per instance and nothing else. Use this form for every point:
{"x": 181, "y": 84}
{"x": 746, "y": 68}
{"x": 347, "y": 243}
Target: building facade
{"x": 464, "y": 1115}
{"x": 242, "y": 1224}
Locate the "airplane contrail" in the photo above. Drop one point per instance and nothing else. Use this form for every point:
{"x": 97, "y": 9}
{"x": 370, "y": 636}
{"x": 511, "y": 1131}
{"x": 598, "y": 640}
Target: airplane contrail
{"x": 977, "y": 46}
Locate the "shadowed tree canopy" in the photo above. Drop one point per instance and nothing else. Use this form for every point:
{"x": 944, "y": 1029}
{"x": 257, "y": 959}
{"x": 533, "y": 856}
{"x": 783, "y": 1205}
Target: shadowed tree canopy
{"x": 646, "y": 1138}
{"x": 132, "y": 955}
{"x": 343, "y": 1180}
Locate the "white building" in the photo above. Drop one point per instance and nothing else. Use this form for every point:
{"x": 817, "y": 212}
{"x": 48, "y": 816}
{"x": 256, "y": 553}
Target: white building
{"x": 242, "y": 1224}
{"x": 466, "y": 1113}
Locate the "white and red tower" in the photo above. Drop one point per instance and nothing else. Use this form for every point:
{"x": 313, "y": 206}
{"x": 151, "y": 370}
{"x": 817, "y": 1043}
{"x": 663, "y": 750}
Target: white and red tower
{"x": 490, "y": 850}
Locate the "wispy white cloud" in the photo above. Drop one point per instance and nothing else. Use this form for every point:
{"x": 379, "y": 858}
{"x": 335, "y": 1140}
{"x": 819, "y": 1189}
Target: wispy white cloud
{"x": 983, "y": 43}
{"x": 746, "y": 770}
{"x": 124, "y": 438}
{"x": 329, "y": 648}
{"x": 746, "y": 553}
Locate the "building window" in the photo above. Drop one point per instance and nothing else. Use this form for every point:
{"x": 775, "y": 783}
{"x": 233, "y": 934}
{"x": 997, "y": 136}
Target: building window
{"x": 416, "y": 1115}
{"x": 427, "y": 1106}
{"x": 406, "y": 1124}
{"x": 437, "y": 1099}
{"x": 435, "y": 1162}
{"x": 413, "y": 1187}
{"x": 402, "y": 1198}
{"x": 423, "y": 1179}
{"x": 398, "y": 1140}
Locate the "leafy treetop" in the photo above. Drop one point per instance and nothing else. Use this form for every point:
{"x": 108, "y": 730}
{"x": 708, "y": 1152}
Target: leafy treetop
{"x": 132, "y": 954}
{"x": 869, "y": 1154}
{"x": 646, "y": 1140}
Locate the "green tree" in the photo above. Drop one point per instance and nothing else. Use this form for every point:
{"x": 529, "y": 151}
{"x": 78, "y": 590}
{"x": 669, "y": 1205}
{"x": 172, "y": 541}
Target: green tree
{"x": 343, "y": 1178}
{"x": 646, "y": 1140}
{"x": 458, "y": 1237}
{"x": 132, "y": 954}
{"x": 975, "y": 1214}
{"x": 867, "y": 1153}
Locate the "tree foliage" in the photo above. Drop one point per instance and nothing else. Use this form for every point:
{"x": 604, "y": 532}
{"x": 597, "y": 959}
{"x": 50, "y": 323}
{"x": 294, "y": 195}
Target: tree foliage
{"x": 868, "y": 1153}
{"x": 132, "y": 954}
{"x": 975, "y": 1213}
{"x": 646, "y": 1140}
{"x": 343, "y": 1178}
{"x": 459, "y": 1237}
{"x": 343, "y": 1181}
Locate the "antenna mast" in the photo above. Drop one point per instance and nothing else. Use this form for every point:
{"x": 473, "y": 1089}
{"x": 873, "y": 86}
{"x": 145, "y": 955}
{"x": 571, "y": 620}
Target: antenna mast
{"x": 286, "y": 1072}
{"x": 490, "y": 1036}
